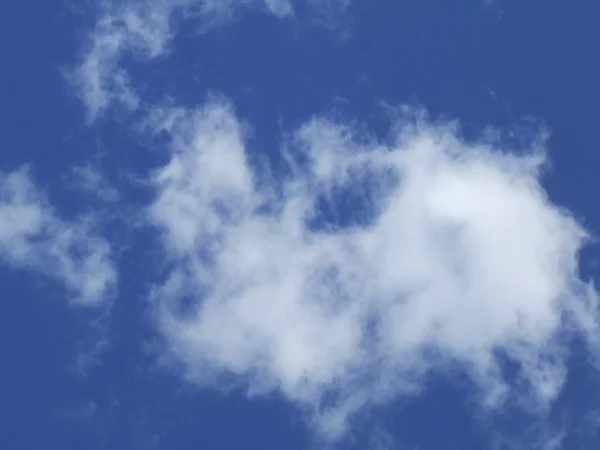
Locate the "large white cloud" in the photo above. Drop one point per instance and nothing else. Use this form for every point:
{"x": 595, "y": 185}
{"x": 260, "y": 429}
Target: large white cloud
{"x": 439, "y": 254}
{"x": 145, "y": 28}
{"x": 443, "y": 253}
{"x": 34, "y": 237}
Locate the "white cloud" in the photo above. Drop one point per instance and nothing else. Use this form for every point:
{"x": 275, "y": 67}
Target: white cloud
{"x": 135, "y": 27}
{"x": 145, "y": 28}
{"x": 33, "y": 237}
{"x": 458, "y": 259}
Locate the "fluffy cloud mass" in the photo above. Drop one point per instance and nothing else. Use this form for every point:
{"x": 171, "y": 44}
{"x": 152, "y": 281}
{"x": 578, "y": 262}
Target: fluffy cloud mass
{"x": 32, "y": 236}
{"x": 146, "y": 28}
{"x": 339, "y": 273}
{"x": 366, "y": 266}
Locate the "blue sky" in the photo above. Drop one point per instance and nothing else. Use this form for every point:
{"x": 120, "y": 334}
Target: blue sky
{"x": 303, "y": 224}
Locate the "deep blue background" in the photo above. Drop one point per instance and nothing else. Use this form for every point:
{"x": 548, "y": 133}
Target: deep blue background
{"x": 497, "y": 65}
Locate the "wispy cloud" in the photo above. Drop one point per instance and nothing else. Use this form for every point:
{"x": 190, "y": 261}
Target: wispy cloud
{"x": 90, "y": 179}
{"x": 437, "y": 253}
{"x": 145, "y": 28}
{"x": 33, "y": 236}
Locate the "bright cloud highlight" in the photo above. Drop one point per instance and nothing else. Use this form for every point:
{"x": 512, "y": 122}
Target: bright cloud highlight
{"x": 440, "y": 253}
{"x": 34, "y": 237}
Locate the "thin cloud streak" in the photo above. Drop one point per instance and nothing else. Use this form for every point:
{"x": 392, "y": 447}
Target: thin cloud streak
{"x": 146, "y": 28}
